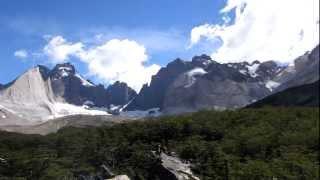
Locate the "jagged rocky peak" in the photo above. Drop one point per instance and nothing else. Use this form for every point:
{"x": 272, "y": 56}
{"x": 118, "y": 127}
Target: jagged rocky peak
{"x": 44, "y": 71}
{"x": 152, "y": 96}
{"x": 63, "y": 70}
{"x": 120, "y": 93}
{"x": 28, "y": 87}
{"x": 314, "y": 54}
{"x": 269, "y": 69}
{"x": 202, "y": 61}
{"x": 304, "y": 71}
{"x": 176, "y": 63}
{"x": 309, "y": 58}
{"x": 262, "y": 70}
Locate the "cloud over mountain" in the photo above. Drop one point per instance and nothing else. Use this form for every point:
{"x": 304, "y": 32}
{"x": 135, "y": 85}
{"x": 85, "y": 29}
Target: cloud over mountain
{"x": 264, "y": 30}
{"x": 113, "y": 60}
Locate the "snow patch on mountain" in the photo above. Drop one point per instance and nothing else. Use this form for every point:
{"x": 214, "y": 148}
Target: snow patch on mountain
{"x": 271, "y": 85}
{"x": 191, "y": 75}
{"x": 253, "y": 69}
{"x": 84, "y": 81}
{"x": 244, "y": 72}
{"x": 64, "y": 71}
{"x": 196, "y": 71}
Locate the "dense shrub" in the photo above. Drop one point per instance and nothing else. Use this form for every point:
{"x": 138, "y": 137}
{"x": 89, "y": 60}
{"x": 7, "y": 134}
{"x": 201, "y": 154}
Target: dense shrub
{"x": 245, "y": 144}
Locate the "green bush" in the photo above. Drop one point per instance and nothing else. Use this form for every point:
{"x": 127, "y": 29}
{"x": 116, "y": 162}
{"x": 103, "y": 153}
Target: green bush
{"x": 262, "y": 143}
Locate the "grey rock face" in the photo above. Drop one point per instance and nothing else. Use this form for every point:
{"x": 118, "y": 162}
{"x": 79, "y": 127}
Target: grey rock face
{"x": 74, "y": 89}
{"x": 185, "y": 86}
{"x": 217, "y": 87}
{"x": 305, "y": 71}
{"x": 152, "y": 96}
{"x": 258, "y": 71}
{"x": 30, "y": 95}
{"x": 120, "y": 93}
{"x": 8, "y": 117}
{"x": 35, "y": 94}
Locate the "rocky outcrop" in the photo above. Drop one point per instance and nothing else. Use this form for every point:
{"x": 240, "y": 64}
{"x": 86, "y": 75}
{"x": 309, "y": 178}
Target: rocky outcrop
{"x": 180, "y": 169}
{"x": 306, "y": 95}
{"x": 120, "y": 93}
{"x": 30, "y": 96}
{"x": 152, "y": 96}
{"x": 304, "y": 71}
{"x": 74, "y": 89}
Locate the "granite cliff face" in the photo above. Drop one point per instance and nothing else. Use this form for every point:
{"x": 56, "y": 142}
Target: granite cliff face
{"x": 41, "y": 93}
{"x": 152, "y": 95}
{"x": 73, "y": 88}
{"x": 304, "y": 71}
{"x": 187, "y": 86}
{"x": 217, "y": 86}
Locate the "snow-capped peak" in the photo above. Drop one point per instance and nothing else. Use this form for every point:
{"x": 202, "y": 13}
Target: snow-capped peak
{"x": 63, "y": 70}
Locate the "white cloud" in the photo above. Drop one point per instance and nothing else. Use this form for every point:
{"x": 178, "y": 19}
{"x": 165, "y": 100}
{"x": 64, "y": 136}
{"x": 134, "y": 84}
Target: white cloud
{"x": 264, "y": 30}
{"x": 21, "y": 54}
{"x": 113, "y": 60}
{"x": 59, "y": 50}
{"x": 120, "y": 60}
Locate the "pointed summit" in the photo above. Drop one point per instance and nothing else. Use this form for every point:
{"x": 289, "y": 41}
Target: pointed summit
{"x": 63, "y": 70}
{"x": 202, "y": 61}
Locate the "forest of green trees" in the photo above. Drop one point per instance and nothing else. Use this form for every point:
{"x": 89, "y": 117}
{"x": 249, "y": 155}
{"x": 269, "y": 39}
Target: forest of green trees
{"x": 264, "y": 143}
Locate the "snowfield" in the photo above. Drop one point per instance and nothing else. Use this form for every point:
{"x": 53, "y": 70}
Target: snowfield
{"x": 65, "y": 109}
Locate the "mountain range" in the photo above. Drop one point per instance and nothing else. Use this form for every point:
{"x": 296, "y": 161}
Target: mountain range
{"x": 43, "y": 94}
{"x": 187, "y": 86}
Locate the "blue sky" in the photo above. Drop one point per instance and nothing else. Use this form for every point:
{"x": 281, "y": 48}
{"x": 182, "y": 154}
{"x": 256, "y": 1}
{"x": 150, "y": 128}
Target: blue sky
{"x": 24, "y": 23}
{"x": 126, "y": 40}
